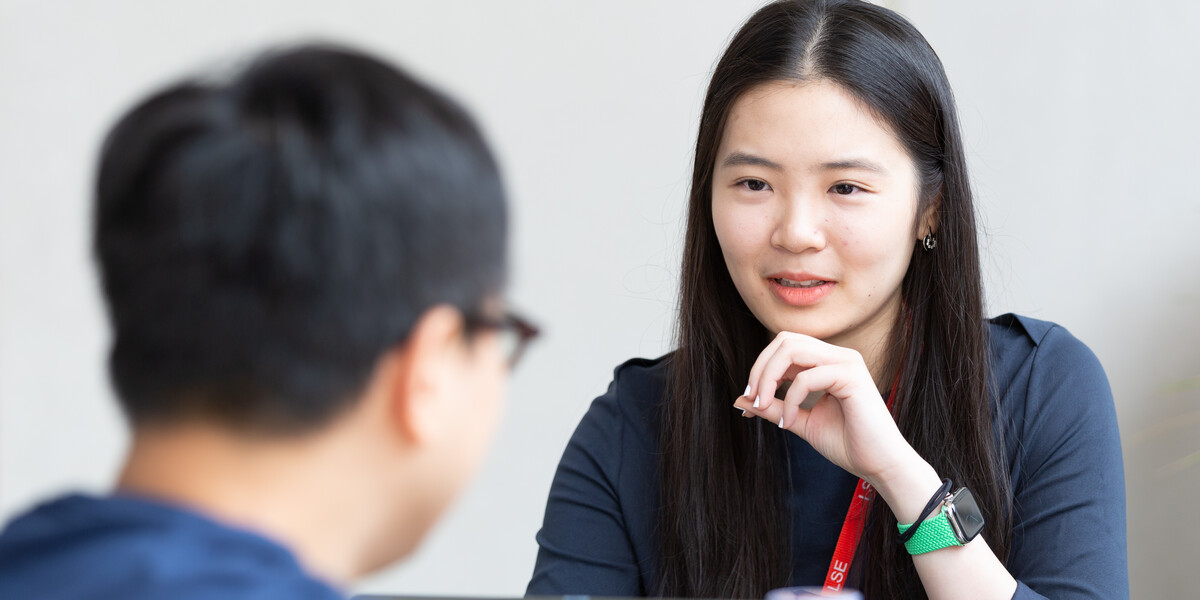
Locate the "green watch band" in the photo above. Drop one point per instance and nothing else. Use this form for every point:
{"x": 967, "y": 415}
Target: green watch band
{"x": 933, "y": 534}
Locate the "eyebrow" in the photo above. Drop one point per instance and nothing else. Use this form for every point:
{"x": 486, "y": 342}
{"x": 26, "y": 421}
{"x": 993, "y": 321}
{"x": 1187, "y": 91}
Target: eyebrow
{"x": 736, "y": 159}
{"x": 860, "y": 164}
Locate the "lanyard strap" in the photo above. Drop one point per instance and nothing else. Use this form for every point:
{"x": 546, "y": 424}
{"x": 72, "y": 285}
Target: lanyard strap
{"x": 847, "y": 544}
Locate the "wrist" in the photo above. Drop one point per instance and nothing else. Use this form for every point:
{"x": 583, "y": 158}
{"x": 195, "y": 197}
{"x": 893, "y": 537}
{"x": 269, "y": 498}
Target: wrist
{"x": 907, "y": 488}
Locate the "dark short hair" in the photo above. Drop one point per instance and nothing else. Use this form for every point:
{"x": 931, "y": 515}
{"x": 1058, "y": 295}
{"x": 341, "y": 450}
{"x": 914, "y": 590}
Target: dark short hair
{"x": 264, "y": 239}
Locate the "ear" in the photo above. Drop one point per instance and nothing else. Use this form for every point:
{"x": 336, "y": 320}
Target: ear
{"x": 930, "y": 217}
{"x": 421, "y": 390}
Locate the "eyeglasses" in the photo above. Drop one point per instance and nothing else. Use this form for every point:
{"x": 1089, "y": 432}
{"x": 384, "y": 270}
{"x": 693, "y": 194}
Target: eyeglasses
{"x": 515, "y": 333}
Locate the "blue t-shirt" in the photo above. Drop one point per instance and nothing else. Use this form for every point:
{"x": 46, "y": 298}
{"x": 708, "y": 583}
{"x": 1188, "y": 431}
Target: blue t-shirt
{"x": 80, "y": 547}
{"x": 1064, "y": 458}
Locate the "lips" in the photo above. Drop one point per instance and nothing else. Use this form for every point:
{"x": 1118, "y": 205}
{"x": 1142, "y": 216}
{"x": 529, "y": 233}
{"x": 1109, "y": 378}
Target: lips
{"x": 800, "y": 289}
{"x": 808, "y": 283}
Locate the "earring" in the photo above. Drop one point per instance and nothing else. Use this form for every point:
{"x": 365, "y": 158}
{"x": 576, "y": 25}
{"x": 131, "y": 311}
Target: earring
{"x": 929, "y": 242}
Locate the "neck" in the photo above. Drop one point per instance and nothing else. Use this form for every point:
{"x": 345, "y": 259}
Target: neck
{"x": 294, "y": 490}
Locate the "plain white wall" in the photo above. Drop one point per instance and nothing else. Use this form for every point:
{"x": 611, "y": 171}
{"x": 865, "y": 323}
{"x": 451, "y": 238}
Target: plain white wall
{"x": 1080, "y": 127}
{"x": 1082, "y": 132}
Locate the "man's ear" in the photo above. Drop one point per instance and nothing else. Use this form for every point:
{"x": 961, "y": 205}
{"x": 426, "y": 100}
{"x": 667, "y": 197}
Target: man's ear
{"x": 424, "y": 377}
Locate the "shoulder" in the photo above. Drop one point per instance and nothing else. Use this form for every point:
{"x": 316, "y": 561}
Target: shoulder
{"x": 635, "y": 394}
{"x": 1050, "y": 388}
{"x": 621, "y": 425}
{"x": 639, "y": 382}
{"x": 1039, "y": 353}
{"x": 126, "y": 547}
{"x": 1009, "y": 330}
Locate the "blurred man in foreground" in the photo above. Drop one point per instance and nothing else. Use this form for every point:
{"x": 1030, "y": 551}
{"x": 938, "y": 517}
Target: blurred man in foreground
{"x": 303, "y": 266}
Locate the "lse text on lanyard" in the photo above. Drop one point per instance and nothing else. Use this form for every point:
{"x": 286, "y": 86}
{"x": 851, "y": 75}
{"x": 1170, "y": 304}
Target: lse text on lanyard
{"x": 843, "y": 554}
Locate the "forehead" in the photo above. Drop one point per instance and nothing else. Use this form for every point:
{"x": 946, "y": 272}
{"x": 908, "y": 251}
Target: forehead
{"x": 799, "y": 124}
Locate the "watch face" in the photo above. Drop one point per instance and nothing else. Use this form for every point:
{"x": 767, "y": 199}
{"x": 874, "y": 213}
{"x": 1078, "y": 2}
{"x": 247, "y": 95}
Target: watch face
{"x": 965, "y": 516}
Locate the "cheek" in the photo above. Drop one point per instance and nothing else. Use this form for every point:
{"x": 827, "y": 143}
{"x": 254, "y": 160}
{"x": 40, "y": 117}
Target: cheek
{"x": 492, "y": 393}
{"x": 875, "y": 248}
{"x": 742, "y": 232}
{"x": 482, "y": 393}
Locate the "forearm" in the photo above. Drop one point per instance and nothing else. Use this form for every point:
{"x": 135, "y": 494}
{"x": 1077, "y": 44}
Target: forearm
{"x": 971, "y": 570}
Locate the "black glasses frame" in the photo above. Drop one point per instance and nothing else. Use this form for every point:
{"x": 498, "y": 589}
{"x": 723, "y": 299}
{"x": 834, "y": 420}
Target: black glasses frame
{"x": 525, "y": 331}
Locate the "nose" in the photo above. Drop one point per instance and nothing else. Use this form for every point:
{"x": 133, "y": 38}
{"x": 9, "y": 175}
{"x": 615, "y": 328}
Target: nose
{"x": 800, "y": 225}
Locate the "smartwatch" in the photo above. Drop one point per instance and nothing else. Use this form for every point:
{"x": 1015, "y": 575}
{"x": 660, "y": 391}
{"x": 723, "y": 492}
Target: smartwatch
{"x": 959, "y": 521}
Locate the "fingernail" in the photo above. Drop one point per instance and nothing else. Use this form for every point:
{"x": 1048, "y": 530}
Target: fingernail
{"x": 756, "y": 402}
{"x": 781, "y": 421}
{"x": 747, "y": 392}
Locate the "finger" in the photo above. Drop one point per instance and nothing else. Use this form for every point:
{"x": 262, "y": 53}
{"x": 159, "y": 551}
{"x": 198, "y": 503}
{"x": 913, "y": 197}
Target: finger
{"x": 775, "y": 411}
{"x": 745, "y": 402}
{"x": 749, "y": 402}
{"x": 807, "y": 389}
{"x": 741, "y": 404}
{"x": 756, "y": 369}
{"x": 793, "y": 354}
{"x": 771, "y": 413}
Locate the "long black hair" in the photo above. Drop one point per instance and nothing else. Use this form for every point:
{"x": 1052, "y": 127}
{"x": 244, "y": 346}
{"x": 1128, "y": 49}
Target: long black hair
{"x": 723, "y": 520}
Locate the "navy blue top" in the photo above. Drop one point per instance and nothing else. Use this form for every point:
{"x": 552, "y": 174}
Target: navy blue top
{"x": 1064, "y": 459}
{"x": 81, "y": 547}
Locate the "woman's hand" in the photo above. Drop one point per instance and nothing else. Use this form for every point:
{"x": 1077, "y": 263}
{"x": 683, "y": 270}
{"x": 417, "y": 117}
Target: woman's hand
{"x": 849, "y": 425}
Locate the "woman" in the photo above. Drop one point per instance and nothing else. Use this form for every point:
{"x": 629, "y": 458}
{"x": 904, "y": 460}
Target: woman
{"x": 835, "y": 378}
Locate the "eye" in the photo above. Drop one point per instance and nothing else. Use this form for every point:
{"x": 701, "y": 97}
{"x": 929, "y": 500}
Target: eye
{"x": 845, "y": 189}
{"x": 754, "y": 185}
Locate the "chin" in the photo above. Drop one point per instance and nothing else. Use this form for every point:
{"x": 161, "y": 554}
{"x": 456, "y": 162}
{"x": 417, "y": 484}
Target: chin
{"x": 812, "y": 327}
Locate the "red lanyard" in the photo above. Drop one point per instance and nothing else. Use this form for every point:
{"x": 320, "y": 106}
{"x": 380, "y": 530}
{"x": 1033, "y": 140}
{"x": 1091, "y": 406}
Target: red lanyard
{"x": 843, "y": 554}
